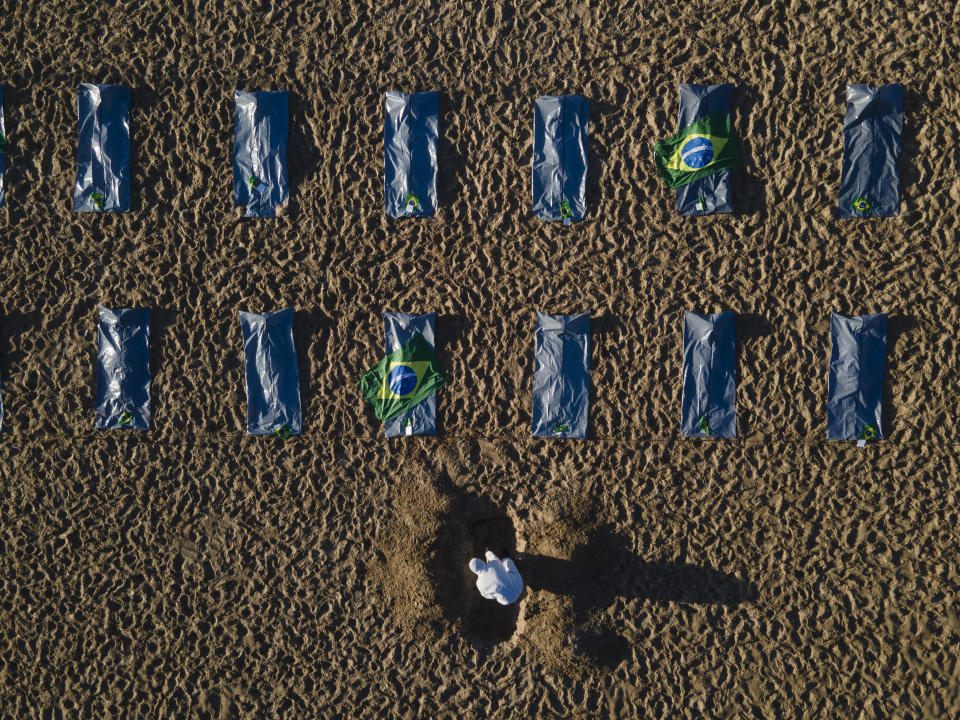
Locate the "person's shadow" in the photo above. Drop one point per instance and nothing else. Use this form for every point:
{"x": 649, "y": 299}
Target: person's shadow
{"x": 604, "y": 569}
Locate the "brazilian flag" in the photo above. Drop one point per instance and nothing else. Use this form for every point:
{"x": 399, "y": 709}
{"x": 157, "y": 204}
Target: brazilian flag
{"x": 405, "y": 377}
{"x": 700, "y": 149}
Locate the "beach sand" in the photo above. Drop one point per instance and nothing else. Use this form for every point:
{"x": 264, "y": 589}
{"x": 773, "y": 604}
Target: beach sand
{"x": 194, "y": 572}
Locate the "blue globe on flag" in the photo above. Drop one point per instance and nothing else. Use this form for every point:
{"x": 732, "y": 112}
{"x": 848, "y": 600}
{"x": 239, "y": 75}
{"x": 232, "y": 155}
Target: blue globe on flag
{"x": 402, "y": 380}
{"x": 697, "y": 153}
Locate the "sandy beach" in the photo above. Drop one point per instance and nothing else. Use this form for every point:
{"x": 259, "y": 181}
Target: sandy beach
{"x": 192, "y": 571}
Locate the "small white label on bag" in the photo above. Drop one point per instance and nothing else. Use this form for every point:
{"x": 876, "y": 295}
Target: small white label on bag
{"x": 566, "y": 221}
{"x": 261, "y": 187}
{"x": 409, "y": 429}
{"x": 861, "y": 443}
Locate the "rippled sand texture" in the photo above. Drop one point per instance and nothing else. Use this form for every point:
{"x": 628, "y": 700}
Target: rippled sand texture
{"x": 195, "y": 572}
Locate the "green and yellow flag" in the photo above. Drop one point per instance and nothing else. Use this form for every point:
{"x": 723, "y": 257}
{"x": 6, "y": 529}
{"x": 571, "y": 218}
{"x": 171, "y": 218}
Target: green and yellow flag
{"x": 405, "y": 377}
{"x": 700, "y": 149}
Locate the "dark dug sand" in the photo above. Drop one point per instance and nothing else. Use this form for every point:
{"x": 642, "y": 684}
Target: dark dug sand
{"x": 194, "y": 572}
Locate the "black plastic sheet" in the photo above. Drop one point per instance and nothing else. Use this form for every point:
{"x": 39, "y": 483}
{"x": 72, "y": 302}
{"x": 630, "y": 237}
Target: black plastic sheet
{"x": 410, "y": 133}
{"x": 561, "y": 376}
{"x": 709, "y": 403}
{"x": 261, "y": 128}
{"x": 272, "y": 379}
{"x": 103, "y": 149}
{"x": 710, "y": 195}
{"x": 858, "y": 357}
{"x": 398, "y": 329}
{"x": 123, "y": 369}
{"x": 560, "y": 157}
{"x": 870, "y": 182}
{"x": 3, "y": 156}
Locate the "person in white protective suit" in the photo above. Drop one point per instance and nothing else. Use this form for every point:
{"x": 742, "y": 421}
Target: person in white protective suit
{"x": 497, "y": 579}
